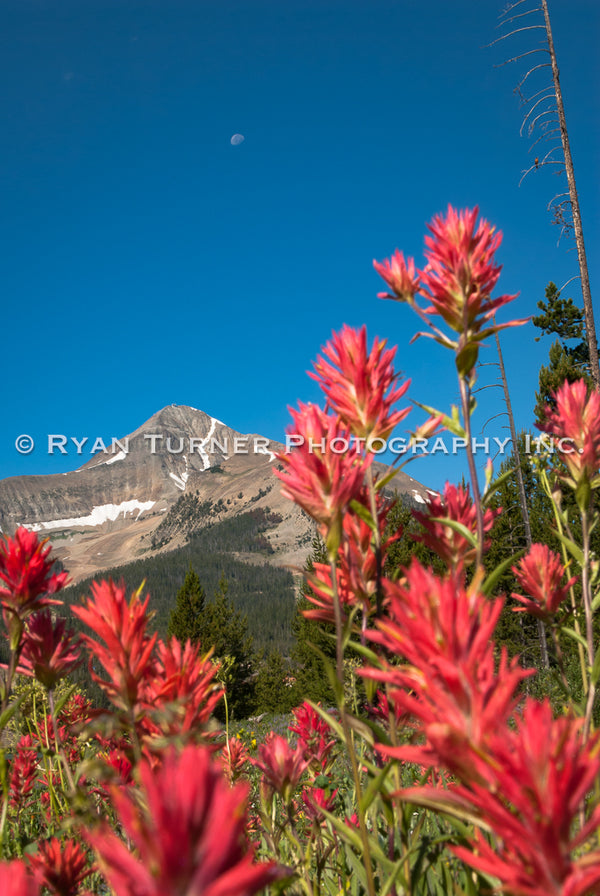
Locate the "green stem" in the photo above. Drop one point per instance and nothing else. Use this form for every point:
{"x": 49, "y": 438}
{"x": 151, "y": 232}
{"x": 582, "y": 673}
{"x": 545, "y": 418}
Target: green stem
{"x": 589, "y": 619}
{"x": 465, "y": 398}
{"x": 348, "y": 738}
{"x": 58, "y": 747}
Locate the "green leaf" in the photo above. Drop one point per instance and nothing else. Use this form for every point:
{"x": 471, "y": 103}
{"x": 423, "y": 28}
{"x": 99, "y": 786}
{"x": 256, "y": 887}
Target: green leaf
{"x": 10, "y": 711}
{"x": 327, "y": 717}
{"x": 365, "y": 515}
{"x": 458, "y": 527}
{"x": 374, "y": 787}
{"x": 452, "y": 424}
{"x": 575, "y": 635}
{"x": 496, "y": 483}
{"x": 573, "y": 549}
{"x": 381, "y": 483}
{"x": 496, "y": 574}
{"x": 64, "y": 698}
{"x": 595, "y": 674}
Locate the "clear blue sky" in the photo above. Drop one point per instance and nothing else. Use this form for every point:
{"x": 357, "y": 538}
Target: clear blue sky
{"x": 146, "y": 261}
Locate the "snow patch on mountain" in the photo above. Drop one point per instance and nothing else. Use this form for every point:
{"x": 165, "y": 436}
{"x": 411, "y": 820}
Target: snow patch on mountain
{"x": 112, "y": 460}
{"x": 99, "y": 515}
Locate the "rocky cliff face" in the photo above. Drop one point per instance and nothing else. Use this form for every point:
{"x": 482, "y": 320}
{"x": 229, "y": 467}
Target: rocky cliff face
{"x": 123, "y": 503}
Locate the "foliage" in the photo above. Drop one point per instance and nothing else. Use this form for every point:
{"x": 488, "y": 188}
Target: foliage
{"x": 564, "y": 319}
{"x": 313, "y": 641}
{"x": 185, "y": 621}
{"x": 274, "y": 687}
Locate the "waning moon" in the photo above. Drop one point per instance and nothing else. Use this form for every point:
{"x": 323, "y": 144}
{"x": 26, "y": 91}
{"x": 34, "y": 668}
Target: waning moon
{"x": 237, "y": 139}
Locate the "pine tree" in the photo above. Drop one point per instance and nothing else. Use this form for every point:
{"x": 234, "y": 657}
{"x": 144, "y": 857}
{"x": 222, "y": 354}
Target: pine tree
{"x": 274, "y": 685}
{"x": 226, "y": 630}
{"x": 563, "y": 318}
{"x": 312, "y": 682}
{"x": 186, "y": 619}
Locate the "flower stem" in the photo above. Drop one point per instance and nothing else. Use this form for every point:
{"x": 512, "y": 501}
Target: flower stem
{"x": 348, "y": 738}
{"x": 465, "y": 398}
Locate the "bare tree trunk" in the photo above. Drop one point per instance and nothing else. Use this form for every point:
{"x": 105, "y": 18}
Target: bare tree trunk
{"x": 590, "y": 328}
{"x": 521, "y": 487}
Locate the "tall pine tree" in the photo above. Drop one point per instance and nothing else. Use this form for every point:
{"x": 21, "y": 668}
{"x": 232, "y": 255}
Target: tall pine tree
{"x": 563, "y": 318}
{"x": 186, "y": 619}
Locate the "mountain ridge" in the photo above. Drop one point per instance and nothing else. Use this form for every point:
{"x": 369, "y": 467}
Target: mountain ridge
{"x": 107, "y": 511}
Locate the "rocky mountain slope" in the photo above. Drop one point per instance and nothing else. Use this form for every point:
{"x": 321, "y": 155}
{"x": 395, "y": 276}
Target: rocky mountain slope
{"x": 180, "y": 471}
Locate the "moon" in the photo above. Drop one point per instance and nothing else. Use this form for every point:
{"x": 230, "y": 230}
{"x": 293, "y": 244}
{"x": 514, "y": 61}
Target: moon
{"x": 237, "y": 139}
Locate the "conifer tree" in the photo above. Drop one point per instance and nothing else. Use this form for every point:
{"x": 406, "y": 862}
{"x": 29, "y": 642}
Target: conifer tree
{"x": 312, "y": 682}
{"x": 275, "y": 690}
{"x": 186, "y": 619}
{"x": 563, "y": 318}
{"x": 226, "y": 630}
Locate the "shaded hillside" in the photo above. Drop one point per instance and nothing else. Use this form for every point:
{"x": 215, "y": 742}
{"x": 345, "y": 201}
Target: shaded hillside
{"x": 263, "y": 592}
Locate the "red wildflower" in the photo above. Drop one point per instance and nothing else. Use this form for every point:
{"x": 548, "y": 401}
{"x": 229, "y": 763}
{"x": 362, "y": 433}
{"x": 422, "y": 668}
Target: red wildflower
{"x": 181, "y": 692}
{"x": 60, "y": 866}
{"x": 359, "y": 385}
{"x": 119, "y": 763}
{"x": 282, "y": 766}
{"x": 27, "y": 577}
{"x": 48, "y": 652}
{"x": 400, "y": 277}
{"x": 316, "y": 799}
{"x": 314, "y": 736}
{"x": 448, "y": 679}
{"x": 16, "y": 881}
{"x": 458, "y": 280}
{"x": 575, "y": 422}
{"x": 321, "y": 594}
{"x": 23, "y": 772}
{"x": 389, "y": 712}
{"x": 359, "y": 559}
{"x": 456, "y": 505}
{"x": 545, "y": 771}
{"x": 319, "y": 477}
{"x": 76, "y": 711}
{"x": 540, "y": 573}
{"x": 127, "y": 652}
{"x": 234, "y": 756}
{"x": 187, "y": 838}
{"x": 461, "y": 272}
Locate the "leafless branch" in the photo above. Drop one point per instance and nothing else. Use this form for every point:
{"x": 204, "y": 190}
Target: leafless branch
{"x": 516, "y": 31}
{"x": 532, "y": 110}
{"x": 546, "y": 135}
{"x": 533, "y": 123}
{"x": 530, "y": 72}
{"x": 521, "y": 15}
{"x": 510, "y": 6}
{"x": 520, "y": 56}
{"x": 576, "y": 277}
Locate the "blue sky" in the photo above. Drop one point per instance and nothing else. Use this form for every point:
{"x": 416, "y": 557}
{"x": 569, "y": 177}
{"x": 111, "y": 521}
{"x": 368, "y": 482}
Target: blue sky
{"x": 147, "y": 261}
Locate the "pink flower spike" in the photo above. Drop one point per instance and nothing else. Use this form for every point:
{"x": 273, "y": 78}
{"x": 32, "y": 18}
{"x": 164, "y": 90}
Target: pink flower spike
{"x": 540, "y": 573}
{"x": 399, "y": 276}
{"x": 319, "y": 477}
{"x": 359, "y": 384}
{"x": 282, "y": 766}
{"x": 575, "y": 423}
{"x": 188, "y": 838}
{"x": 461, "y": 272}
{"x": 49, "y": 652}
{"x": 16, "y": 881}
{"x": 26, "y": 577}
{"x": 60, "y": 867}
